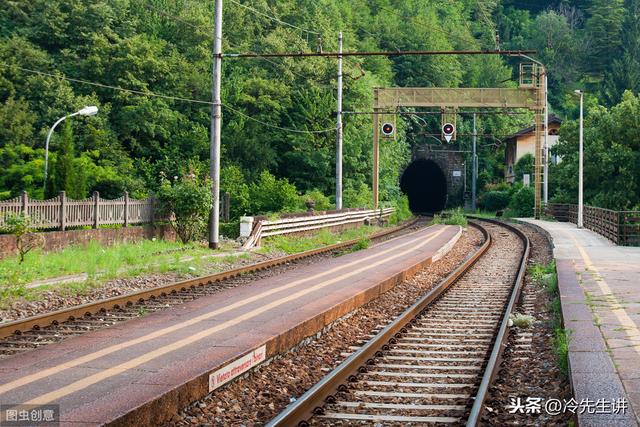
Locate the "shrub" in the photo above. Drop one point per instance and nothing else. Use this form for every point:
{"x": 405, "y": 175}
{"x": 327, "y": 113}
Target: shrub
{"x": 26, "y": 240}
{"x": 230, "y": 230}
{"x": 451, "y": 217}
{"x": 402, "y": 211}
{"x": 358, "y": 197}
{"x": 270, "y": 194}
{"x": 317, "y": 200}
{"x": 232, "y": 181}
{"x": 494, "y": 200}
{"x": 524, "y": 166}
{"x": 190, "y": 202}
{"x": 522, "y": 203}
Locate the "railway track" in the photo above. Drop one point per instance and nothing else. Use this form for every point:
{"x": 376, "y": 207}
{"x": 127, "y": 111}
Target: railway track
{"x": 435, "y": 362}
{"x": 36, "y": 331}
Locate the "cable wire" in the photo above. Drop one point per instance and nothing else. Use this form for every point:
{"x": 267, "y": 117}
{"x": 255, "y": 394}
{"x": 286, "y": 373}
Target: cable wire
{"x": 278, "y": 127}
{"x": 152, "y": 94}
{"x": 105, "y": 86}
{"x": 273, "y": 18}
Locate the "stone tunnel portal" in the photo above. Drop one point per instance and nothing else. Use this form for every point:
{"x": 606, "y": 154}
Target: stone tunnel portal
{"x": 425, "y": 184}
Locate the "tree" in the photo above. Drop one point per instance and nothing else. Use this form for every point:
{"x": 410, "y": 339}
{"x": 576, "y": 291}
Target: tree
{"x": 603, "y": 28}
{"x": 189, "y": 200}
{"x": 21, "y": 226}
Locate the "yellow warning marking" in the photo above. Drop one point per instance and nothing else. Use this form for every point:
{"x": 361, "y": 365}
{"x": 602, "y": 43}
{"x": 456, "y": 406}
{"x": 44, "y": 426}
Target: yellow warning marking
{"x": 621, "y": 314}
{"x": 121, "y": 346}
{"x": 109, "y": 372}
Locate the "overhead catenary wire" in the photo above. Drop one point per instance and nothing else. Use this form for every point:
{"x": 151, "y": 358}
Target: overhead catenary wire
{"x": 157, "y": 95}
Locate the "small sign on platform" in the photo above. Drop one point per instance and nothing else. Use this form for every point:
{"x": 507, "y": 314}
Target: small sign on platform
{"x": 457, "y": 173}
{"x": 237, "y": 367}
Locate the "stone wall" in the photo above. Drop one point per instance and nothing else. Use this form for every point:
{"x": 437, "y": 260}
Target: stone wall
{"x": 56, "y": 240}
{"x": 451, "y": 161}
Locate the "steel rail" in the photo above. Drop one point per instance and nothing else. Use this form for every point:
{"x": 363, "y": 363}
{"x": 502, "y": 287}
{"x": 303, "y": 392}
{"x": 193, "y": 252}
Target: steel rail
{"x": 73, "y": 313}
{"x": 503, "y": 333}
{"x": 311, "y": 402}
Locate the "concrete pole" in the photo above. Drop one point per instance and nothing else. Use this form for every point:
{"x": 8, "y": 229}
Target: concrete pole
{"x": 216, "y": 127}
{"x": 580, "y": 165}
{"x": 339, "y": 135}
{"x": 474, "y": 166}
{"x": 545, "y": 188}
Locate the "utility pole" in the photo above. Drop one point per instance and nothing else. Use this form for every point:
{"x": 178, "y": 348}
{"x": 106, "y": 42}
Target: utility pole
{"x": 545, "y": 188}
{"x": 339, "y": 130}
{"x": 580, "y": 163}
{"x": 216, "y": 127}
{"x": 474, "y": 166}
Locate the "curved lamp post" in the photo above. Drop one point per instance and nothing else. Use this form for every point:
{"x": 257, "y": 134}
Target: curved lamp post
{"x": 86, "y": 111}
{"x": 581, "y": 162}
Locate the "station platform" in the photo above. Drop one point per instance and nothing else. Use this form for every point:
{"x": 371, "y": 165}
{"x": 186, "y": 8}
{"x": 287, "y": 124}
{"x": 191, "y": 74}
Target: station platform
{"x": 600, "y": 297}
{"x": 143, "y": 371}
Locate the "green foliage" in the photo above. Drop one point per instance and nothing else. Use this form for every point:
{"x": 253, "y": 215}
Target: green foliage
{"x": 317, "y": 200}
{"x": 524, "y": 165}
{"x": 21, "y": 226}
{"x": 189, "y": 200}
{"x": 357, "y": 197}
{"x": 611, "y": 167}
{"x": 451, "y": 217}
{"x": 230, "y": 230}
{"x": 522, "y": 202}
{"x": 270, "y": 194}
{"x": 494, "y": 200}
{"x": 402, "y": 211}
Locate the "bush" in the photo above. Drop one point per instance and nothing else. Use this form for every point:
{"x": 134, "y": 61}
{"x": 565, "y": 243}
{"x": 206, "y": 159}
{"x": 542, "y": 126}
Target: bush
{"x": 230, "y": 230}
{"x": 402, "y": 211}
{"x": 189, "y": 200}
{"x": 232, "y": 181}
{"x": 26, "y": 240}
{"x": 522, "y": 203}
{"x": 494, "y": 200}
{"x": 319, "y": 201}
{"x": 270, "y": 194}
{"x": 524, "y": 166}
{"x": 359, "y": 197}
{"x": 451, "y": 217}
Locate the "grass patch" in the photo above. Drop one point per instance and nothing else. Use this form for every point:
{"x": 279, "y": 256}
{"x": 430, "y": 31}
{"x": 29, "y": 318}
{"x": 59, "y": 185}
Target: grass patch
{"x": 482, "y": 214}
{"x": 522, "y": 321}
{"x": 451, "y": 217}
{"x": 546, "y": 276}
{"x": 98, "y": 262}
{"x": 295, "y": 244}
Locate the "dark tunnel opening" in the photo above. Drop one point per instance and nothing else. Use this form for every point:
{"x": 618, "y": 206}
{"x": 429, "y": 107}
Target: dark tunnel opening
{"x": 425, "y": 185}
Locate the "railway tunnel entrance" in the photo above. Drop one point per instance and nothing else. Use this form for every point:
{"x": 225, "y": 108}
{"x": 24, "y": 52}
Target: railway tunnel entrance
{"x": 425, "y": 184}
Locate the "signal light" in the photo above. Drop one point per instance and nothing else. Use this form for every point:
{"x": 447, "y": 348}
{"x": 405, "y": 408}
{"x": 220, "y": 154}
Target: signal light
{"x": 387, "y": 129}
{"x": 448, "y": 130}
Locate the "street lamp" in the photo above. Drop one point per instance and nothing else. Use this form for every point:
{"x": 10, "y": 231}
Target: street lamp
{"x": 580, "y": 161}
{"x": 86, "y": 111}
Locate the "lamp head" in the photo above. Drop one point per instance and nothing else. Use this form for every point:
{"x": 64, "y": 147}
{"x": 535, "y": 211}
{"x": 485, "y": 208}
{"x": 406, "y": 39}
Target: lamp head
{"x": 88, "y": 111}
{"x": 578, "y": 92}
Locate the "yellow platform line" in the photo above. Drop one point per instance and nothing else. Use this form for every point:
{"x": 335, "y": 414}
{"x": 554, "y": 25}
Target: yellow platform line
{"x": 631, "y": 329}
{"x": 109, "y": 372}
{"x": 121, "y": 346}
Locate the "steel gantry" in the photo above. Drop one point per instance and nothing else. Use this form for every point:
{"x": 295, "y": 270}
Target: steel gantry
{"x": 529, "y": 95}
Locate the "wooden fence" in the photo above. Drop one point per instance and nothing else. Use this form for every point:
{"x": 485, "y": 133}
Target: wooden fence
{"x": 60, "y": 212}
{"x": 621, "y": 227}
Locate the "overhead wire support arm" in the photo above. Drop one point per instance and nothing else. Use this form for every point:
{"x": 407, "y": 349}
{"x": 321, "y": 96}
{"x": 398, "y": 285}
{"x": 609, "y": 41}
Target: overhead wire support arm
{"x": 381, "y": 53}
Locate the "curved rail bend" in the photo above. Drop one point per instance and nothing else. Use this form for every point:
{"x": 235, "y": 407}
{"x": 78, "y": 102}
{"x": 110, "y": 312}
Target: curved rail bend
{"x": 311, "y": 403}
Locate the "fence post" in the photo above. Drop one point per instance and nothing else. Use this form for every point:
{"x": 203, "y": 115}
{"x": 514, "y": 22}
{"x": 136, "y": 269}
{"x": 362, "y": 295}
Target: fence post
{"x": 152, "y": 208}
{"x": 63, "y": 211}
{"x": 96, "y": 209}
{"x": 226, "y": 206}
{"x": 126, "y": 208}
{"x": 25, "y": 203}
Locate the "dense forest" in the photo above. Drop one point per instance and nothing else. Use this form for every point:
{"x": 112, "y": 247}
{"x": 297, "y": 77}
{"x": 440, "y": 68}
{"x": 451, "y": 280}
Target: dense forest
{"x": 147, "y": 65}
